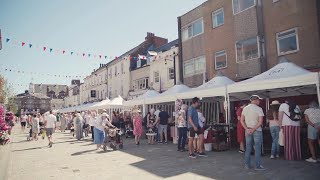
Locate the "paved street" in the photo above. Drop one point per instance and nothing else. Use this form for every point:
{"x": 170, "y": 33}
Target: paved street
{"x": 71, "y": 159}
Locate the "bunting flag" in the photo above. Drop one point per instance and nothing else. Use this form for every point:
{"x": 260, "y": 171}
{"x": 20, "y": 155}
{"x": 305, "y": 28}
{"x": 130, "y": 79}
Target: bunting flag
{"x": 64, "y": 52}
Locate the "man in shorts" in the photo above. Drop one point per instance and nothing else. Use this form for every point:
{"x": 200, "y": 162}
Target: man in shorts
{"x": 50, "y": 123}
{"x": 194, "y": 128}
{"x": 23, "y": 121}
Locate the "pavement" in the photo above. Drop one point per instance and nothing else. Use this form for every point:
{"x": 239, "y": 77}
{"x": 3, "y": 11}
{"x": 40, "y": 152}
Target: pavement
{"x": 79, "y": 160}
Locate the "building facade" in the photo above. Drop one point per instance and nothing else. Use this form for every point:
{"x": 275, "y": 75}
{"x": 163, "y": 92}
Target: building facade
{"x": 243, "y": 38}
{"x": 32, "y": 103}
{"x": 53, "y": 91}
{"x": 129, "y": 67}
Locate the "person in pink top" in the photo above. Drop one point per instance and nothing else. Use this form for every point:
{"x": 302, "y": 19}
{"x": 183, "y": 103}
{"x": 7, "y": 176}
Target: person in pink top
{"x": 274, "y": 124}
{"x": 137, "y": 126}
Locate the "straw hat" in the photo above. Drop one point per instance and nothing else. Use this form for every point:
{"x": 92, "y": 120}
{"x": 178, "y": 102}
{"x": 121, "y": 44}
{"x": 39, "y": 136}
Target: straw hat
{"x": 275, "y": 103}
{"x": 105, "y": 114}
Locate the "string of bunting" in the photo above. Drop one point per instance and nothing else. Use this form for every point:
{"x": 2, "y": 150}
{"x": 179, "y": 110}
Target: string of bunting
{"x": 40, "y": 74}
{"x": 59, "y": 51}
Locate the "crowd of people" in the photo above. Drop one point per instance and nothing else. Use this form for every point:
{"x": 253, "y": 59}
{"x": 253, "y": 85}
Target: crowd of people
{"x": 283, "y": 120}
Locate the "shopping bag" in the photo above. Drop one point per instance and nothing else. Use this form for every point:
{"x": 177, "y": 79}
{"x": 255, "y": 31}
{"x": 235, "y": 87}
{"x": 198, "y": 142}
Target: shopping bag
{"x": 281, "y": 138}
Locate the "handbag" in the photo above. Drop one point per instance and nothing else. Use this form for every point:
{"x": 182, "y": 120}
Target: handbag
{"x": 281, "y": 138}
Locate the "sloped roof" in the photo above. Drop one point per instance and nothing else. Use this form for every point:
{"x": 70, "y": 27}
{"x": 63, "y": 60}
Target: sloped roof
{"x": 36, "y": 95}
{"x": 167, "y": 46}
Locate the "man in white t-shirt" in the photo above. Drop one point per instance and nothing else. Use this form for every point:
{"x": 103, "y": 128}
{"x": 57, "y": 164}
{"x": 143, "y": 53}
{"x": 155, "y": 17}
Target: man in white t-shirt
{"x": 251, "y": 120}
{"x": 312, "y": 116}
{"x": 23, "y": 121}
{"x": 50, "y": 124}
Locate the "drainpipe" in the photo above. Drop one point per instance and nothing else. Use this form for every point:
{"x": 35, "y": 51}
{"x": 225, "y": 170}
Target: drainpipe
{"x": 180, "y": 51}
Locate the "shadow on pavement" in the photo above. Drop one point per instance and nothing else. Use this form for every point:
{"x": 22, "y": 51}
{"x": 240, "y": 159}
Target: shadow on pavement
{"x": 28, "y": 149}
{"x": 82, "y": 152}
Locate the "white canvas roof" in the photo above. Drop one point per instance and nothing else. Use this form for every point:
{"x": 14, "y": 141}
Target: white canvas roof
{"x": 284, "y": 79}
{"x": 141, "y": 99}
{"x": 170, "y": 95}
{"x": 114, "y": 103}
{"x": 215, "y": 87}
{"x": 99, "y": 105}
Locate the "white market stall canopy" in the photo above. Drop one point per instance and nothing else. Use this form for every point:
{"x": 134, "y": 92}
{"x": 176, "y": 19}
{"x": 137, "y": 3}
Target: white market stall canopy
{"x": 284, "y": 79}
{"x": 213, "y": 88}
{"x": 141, "y": 99}
{"x": 168, "y": 96}
{"x": 114, "y": 103}
{"x": 100, "y": 104}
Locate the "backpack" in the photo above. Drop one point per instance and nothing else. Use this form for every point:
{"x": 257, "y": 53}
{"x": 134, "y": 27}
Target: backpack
{"x": 295, "y": 113}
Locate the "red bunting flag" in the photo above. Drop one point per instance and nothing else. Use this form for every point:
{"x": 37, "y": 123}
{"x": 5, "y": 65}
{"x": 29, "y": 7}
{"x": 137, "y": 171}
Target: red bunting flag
{"x": 44, "y": 48}
{"x": 23, "y": 43}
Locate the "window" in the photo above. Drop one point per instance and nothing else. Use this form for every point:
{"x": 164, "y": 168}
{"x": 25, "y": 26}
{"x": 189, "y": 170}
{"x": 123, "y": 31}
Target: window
{"x": 287, "y": 42}
{"x": 192, "y": 30}
{"x": 188, "y": 68}
{"x": 247, "y": 49}
{"x": 156, "y": 76}
{"x": 121, "y": 68}
{"x": 242, "y": 5}
{"x": 218, "y": 18}
{"x": 220, "y": 60}
{"x": 171, "y": 73}
{"x": 194, "y": 66}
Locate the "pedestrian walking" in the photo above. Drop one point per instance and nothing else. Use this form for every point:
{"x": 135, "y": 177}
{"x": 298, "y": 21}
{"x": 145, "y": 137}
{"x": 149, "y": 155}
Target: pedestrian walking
{"x": 23, "y": 121}
{"x": 194, "y": 128}
{"x": 63, "y": 120}
{"x": 35, "y": 126}
{"x": 291, "y": 130}
{"x": 240, "y": 129}
{"x": 182, "y": 128}
{"x": 50, "y": 124}
{"x": 199, "y": 141}
{"x": 163, "y": 125}
{"x": 137, "y": 125}
{"x": 78, "y": 126}
{"x": 99, "y": 129}
{"x": 251, "y": 120}
{"x": 312, "y": 116}
{"x": 151, "y": 126}
{"x": 274, "y": 125}
{"x": 92, "y": 120}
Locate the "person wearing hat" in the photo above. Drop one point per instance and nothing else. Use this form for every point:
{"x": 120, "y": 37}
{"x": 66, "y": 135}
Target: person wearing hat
{"x": 100, "y": 124}
{"x": 274, "y": 125}
{"x": 251, "y": 120}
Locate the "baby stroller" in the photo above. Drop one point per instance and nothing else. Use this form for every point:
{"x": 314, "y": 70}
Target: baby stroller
{"x": 128, "y": 130}
{"x": 114, "y": 136}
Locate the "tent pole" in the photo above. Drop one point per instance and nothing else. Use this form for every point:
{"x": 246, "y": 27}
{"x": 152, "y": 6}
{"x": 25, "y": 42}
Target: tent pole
{"x": 318, "y": 88}
{"x": 144, "y": 110}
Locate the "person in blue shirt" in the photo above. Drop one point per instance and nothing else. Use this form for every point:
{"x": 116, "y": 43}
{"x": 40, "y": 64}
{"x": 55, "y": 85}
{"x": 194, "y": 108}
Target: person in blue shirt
{"x": 194, "y": 128}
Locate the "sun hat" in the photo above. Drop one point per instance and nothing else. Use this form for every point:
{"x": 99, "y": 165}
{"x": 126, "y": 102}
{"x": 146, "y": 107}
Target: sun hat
{"x": 105, "y": 114}
{"x": 255, "y": 97}
{"x": 275, "y": 103}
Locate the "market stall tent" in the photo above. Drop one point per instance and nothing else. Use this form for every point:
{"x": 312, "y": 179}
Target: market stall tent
{"x": 213, "y": 88}
{"x": 170, "y": 95}
{"x": 100, "y": 104}
{"x": 141, "y": 99}
{"x": 284, "y": 79}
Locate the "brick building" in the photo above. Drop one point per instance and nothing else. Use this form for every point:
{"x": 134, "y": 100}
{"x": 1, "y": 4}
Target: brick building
{"x": 243, "y": 38}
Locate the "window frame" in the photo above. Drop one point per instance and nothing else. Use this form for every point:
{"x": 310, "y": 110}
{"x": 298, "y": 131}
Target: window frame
{"x": 239, "y": 62}
{"x": 215, "y": 59}
{"x": 193, "y": 62}
{"x": 154, "y": 77}
{"x": 213, "y": 19}
{"x": 297, "y": 40}
{"x": 187, "y": 26}
{"x": 255, "y": 4}
{"x": 170, "y": 73}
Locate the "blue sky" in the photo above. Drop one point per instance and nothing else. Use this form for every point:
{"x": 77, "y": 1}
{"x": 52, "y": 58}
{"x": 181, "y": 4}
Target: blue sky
{"x": 107, "y": 27}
